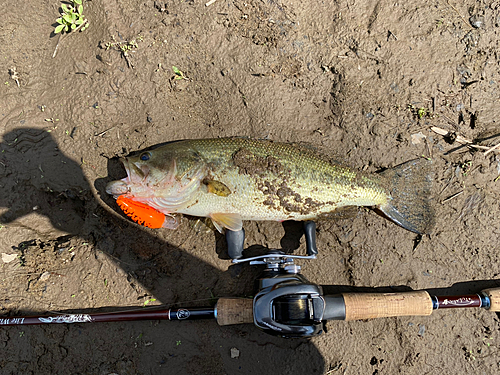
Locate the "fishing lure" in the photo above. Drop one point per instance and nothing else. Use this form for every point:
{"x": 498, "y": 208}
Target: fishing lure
{"x": 141, "y": 213}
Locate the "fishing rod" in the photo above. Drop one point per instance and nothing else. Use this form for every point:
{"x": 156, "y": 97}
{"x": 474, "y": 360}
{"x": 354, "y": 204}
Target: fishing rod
{"x": 286, "y": 303}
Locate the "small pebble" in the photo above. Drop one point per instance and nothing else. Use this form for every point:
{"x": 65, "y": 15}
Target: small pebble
{"x": 235, "y": 353}
{"x": 7, "y": 258}
{"x": 477, "y": 21}
{"x": 44, "y": 276}
{"x": 421, "y": 330}
{"x": 417, "y": 138}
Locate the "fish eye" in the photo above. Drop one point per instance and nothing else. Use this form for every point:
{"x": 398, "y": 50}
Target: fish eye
{"x": 145, "y": 156}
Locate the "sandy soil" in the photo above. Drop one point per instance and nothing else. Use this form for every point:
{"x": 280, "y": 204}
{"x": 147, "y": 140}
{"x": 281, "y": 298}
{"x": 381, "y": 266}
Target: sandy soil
{"x": 363, "y": 80}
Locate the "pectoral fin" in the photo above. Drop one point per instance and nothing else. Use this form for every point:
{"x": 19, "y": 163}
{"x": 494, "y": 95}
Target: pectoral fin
{"x": 225, "y": 220}
{"x": 217, "y": 188}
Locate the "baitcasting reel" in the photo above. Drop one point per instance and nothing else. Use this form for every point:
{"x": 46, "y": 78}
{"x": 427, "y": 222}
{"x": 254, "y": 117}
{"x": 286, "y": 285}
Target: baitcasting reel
{"x": 286, "y": 303}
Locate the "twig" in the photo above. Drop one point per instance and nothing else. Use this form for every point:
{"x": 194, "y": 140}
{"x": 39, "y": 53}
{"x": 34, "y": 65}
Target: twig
{"x": 210, "y": 3}
{"x": 451, "y": 122}
{"x": 14, "y": 75}
{"x": 452, "y": 196}
{"x": 492, "y": 149}
{"x": 460, "y": 139}
{"x": 57, "y": 45}
{"x": 61, "y": 37}
{"x": 103, "y": 132}
{"x": 463, "y": 19}
{"x": 391, "y": 33}
{"x": 129, "y": 63}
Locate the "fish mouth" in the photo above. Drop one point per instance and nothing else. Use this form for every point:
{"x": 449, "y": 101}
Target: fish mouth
{"x": 126, "y": 164}
{"x": 117, "y": 188}
{"x": 136, "y": 174}
{"x": 135, "y": 178}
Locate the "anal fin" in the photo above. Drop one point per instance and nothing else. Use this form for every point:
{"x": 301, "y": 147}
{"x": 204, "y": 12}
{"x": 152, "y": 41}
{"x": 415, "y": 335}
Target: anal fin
{"x": 227, "y": 220}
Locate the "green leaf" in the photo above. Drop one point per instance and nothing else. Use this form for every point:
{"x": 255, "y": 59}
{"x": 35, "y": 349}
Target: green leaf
{"x": 60, "y": 21}
{"x": 67, "y": 18}
{"x": 64, "y": 8}
{"x": 177, "y": 71}
{"x": 79, "y": 21}
{"x": 80, "y": 9}
{"x": 73, "y": 26}
{"x": 58, "y": 29}
{"x": 77, "y": 1}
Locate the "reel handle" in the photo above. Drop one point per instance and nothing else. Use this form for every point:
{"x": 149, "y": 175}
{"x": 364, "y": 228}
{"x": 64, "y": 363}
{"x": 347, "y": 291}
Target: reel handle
{"x": 234, "y": 311}
{"x": 360, "y": 306}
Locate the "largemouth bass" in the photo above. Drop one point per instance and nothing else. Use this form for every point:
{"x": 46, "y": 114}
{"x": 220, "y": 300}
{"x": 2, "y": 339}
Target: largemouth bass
{"x": 234, "y": 179}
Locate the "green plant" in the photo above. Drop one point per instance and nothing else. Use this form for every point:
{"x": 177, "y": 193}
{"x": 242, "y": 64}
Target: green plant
{"x": 72, "y": 17}
{"x": 466, "y": 167}
{"x": 148, "y": 301}
{"x": 178, "y": 73}
{"x": 421, "y": 112}
{"x": 125, "y": 47}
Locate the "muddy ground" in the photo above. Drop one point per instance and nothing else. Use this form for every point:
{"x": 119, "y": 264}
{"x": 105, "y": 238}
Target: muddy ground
{"x": 363, "y": 80}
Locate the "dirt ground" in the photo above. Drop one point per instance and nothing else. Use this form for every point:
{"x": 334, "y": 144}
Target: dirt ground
{"x": 363, "y": 80}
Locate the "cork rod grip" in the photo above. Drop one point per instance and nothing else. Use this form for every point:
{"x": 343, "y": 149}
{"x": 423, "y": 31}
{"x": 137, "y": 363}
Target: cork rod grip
{"x": 234, "y": 311}
{"x": 494, "y": 295}
{"x": 382, "y": 305}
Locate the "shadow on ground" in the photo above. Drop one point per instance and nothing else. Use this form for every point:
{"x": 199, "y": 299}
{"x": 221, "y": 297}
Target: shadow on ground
{"x": 42, "y": 180}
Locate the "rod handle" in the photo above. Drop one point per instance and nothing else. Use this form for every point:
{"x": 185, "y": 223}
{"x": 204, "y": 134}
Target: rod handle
{"x": 234, "y": 311}
{"x": 382, "y": 305}
{"x": 494, "y": 295}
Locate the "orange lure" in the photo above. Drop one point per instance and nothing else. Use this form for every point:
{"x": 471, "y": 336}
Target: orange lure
{"x": 141, "y": 213}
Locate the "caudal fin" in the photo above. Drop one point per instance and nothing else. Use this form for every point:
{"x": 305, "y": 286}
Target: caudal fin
{"x": 409, "y": 205}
